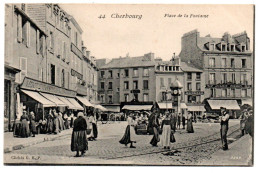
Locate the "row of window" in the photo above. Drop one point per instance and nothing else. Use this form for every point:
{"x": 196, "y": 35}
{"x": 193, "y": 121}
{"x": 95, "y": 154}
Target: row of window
{"x": 212, "y": 62}
{"x": 126, "y": 85}
{"x": 126, "y": 98}
{"x": 189, "y": 76}
{"x": 167, "y": 68}
{"x": 189, "y": 86}
{"x": 126, "y": 73}
{"x": 24, "y": 35}
{"x": 231, "y": 93}
{"x": 224, "y": 78}
{"x": 224, "y": 47}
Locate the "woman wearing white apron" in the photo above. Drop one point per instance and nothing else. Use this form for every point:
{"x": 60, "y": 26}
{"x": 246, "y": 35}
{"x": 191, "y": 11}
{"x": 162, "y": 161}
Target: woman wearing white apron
{"x": 129, "y": 133}
{"x": 166, "y": 132}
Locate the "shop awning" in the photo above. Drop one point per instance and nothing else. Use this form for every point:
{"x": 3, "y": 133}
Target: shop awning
{"x": 112, "y": 108}
{"x": 184, "y": 106}
{"x": 165, "y": 105}
{"x": 84, "y": 101}
{"x": 54, "y": 99}
{"x": 228, "y": 104}
{"x": 75, "y": 103}
{"x": 137, "y": 107}
{"x": 100, "y": 107}
{"x": 247, "y": 101}
{"x": 196, "y": 108}
{"x": 38, "y": 97}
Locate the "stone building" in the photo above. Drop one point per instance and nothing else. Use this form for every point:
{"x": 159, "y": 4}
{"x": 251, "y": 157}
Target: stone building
{"x": 227, "y": 64}
{"x": 45, "y": 61}
{"x": 25, "y": 46}
{"x": 127, "y": 79}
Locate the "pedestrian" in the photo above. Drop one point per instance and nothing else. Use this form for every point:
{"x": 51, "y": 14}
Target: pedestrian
{"x": 155, "y": 126}
{"x": 166, "y": 131}
{"x": 79, "y": 140}
{"x": 249, "y": 126}
{"x": 50, "y": 122}
{"x": 33, "y": 124}
{"x": 224, "y": 118}
{"x": 56, "y": 123}
{"x": 128, "y": 137}
{"x": 179, "y": 121}
{"x": 66, "y": 121}
{"x": 183, "y": 122}
{"x": 92, "y": 122}
{"x": 242, "y": 119}
{"x": 61, "y": 121}
{"x": 24, "y": 127}
{"x": 189, "y": 123}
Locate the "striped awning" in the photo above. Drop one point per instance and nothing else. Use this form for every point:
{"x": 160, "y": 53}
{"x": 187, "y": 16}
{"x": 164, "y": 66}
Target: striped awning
{"x": 84, "y": 101}
{"x": 137, "y": 107}
{"x": 54, "y": 99}
{"x": 75, "y": 103}
{"x": 228, "y": 104}
{"x": 100, "y": 108}
{"x": 196, "y": 108}
{"x": 39, "y": 98}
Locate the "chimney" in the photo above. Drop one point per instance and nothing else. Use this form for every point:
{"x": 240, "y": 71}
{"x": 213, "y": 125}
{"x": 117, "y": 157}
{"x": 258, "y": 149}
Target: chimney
{"x": 87, "y": 53}
{"x": 84, "y": 50}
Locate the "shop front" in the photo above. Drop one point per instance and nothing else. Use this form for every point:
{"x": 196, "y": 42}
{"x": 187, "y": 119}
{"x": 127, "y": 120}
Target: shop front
{"x": 215, "y": 105}
{"x": 39, "y": 97}
{"x": 9, "y": 97}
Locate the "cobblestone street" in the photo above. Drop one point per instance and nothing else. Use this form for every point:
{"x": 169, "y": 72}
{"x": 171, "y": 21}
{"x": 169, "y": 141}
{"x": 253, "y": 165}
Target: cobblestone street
{"x": 107, "y": 149}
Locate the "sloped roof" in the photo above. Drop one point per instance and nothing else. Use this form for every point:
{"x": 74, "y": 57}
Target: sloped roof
{"x": 188, "y": 68}
{"x": 140, "y": 61}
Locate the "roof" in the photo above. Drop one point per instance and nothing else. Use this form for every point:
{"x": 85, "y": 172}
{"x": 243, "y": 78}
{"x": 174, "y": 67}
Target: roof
{"x": 140, "y": 61}
{"x": 188, "y": 68}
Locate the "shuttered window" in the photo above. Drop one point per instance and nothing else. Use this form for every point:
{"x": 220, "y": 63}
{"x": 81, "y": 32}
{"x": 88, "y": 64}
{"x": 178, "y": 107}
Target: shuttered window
{"x": 23, "y": 68}
{"x": 19, "y": 28}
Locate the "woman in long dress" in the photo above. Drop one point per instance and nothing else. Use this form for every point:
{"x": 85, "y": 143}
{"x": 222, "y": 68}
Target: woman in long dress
{"x": 56, "y": 123}
{"x": 24, "y": 128}
{"x": 79, "y": 140}
{"x": 128, "y": 137}
{"x": 166, "y": 132}
{"x": 50, "y": 122}
{"x": 93, "y": 132}
{"x": 33, "y": 125}
{"x": 189, "y": 123}
{"x": 155, "y": 125}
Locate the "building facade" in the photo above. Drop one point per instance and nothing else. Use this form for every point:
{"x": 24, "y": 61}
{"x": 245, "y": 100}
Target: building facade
{"x": 128, "y": 79}
{"x": 227, "y": 64}
{"x": 44, "y": 52}
{"x": 69, "y": 64}
{"x": 25, "y": 46}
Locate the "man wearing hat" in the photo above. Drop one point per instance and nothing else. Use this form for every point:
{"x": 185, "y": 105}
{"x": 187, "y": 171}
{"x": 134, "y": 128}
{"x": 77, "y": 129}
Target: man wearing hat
{"x": 242, "y": 119}
{"x": 224, "y": 117}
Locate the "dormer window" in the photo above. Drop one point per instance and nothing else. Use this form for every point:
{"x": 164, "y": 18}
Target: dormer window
{"x": 212, "y": 47}
{"x": 243, "y": 48}
{"x": 232, "y": 48}
{"x": 223, "y": 47}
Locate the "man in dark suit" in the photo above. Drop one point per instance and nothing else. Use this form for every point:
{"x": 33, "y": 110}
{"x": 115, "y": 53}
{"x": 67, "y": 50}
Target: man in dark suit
{"x": 224, "y": 118}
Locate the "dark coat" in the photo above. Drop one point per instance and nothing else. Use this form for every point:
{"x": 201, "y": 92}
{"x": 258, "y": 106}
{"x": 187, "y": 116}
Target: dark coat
{"x": 80, "y": 124}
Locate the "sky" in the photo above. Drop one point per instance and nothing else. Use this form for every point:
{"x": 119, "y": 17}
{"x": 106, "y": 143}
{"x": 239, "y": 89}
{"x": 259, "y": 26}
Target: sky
{"x": 114, "y": 37}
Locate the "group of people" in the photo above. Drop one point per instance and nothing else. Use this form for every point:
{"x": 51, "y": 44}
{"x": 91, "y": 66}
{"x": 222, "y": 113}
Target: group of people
{"x": 168, "y": 124}
{"x": 26, "y": 126}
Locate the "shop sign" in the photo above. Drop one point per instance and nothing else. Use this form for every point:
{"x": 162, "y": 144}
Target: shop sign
{"x": 194, "y": 92}
{"x": 76, "y": 51}
{"x": 77, "y": 74}
{"x": 39, "y": 86}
